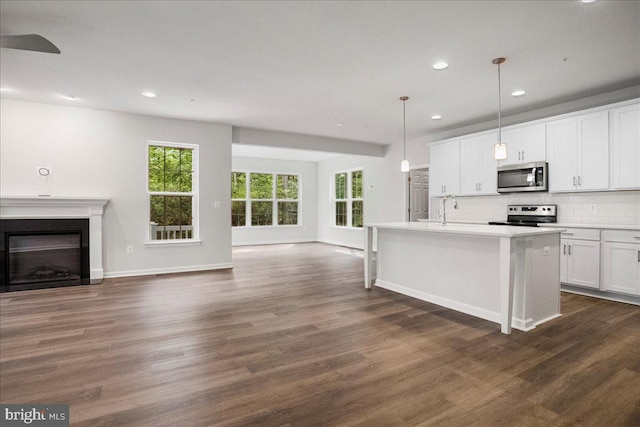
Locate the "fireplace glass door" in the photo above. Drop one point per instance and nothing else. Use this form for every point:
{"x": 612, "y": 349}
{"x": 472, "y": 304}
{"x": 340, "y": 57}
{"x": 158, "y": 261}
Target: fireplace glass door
{"x": 38, "y": 258}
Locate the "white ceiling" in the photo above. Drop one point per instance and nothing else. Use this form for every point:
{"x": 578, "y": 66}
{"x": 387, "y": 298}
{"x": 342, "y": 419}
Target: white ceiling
{"x": 306, "y": 66}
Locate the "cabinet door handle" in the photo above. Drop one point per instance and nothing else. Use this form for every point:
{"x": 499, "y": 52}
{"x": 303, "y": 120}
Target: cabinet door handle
{"x": 519, "y": 155}
{"x": 638, "y": 256}
{"x": 579, "y": 180}
{"x": 480, "y": 186}
{"x": 637, "y": 237}
{"x": 523, "y": 155}
{"x": 564, "y": 249}
{"x": 569, "y": 249}
{"x": 574, "y": 181}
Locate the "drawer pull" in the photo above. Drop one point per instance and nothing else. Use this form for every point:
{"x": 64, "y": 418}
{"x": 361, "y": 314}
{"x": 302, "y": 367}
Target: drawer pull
{"x": 637, "y": 237}
{"x": 567, "y": 234}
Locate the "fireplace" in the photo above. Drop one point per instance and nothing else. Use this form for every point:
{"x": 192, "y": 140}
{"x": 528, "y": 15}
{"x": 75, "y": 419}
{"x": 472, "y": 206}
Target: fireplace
{"x": 43, "y": 253}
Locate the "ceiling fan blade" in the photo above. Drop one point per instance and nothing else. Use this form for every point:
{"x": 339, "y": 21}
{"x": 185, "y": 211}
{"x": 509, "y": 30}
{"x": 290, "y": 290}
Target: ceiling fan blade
{"x": 32, "y": 42}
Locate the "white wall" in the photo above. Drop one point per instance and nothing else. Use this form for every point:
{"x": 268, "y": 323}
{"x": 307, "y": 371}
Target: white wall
{"x": 306, "y": 231}
{"x": 375, "y": 188}
{"x": 101, "y": 153}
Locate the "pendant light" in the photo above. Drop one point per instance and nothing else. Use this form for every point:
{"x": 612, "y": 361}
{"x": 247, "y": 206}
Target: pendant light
{"x": 404, "y": 164}
{"x": 500, "y": 149}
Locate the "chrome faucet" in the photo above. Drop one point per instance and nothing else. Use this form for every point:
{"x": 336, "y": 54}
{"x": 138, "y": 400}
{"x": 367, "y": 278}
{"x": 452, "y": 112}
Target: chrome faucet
{"x": 443, "y": 212}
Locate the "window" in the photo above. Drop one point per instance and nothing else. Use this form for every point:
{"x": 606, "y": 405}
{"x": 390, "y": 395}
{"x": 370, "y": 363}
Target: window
{"x": 266, "y": 199}
{"x": 349, "y": 202}
{"x": 172, "y": 190}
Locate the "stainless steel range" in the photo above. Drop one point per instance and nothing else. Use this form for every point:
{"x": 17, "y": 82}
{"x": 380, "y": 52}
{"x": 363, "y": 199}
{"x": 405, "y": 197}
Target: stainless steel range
{"x": 529, "y": 215}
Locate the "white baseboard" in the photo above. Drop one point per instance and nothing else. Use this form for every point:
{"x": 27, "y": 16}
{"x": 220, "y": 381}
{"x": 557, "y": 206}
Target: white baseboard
{"x": 338, "y": 243}
{"x": 628, "y": 299}
{"x": 151, "y": 271}
{"x": 272, "y": 242}
{"x": 492, "y": 316}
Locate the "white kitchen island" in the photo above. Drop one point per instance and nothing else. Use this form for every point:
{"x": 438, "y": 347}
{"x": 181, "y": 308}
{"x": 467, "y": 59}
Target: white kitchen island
{"x": 505, "y": 274}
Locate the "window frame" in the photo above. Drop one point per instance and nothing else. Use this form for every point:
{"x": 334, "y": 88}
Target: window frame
{"x": 349, "y": 197}
{"x": 194, "y": 194}
{"x": 274, "y": 200}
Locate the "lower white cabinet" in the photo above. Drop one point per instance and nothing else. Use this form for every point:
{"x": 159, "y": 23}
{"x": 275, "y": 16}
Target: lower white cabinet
{"x": 580, "y": 258}
{"x": 621, "y": 261}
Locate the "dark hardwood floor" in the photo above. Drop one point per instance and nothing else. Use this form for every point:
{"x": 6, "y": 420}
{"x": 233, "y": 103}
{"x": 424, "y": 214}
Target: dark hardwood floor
{"x": 291, "y": 337}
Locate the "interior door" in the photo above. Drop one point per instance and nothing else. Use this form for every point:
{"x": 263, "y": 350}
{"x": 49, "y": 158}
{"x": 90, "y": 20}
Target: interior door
{"x": 419, "y": 194}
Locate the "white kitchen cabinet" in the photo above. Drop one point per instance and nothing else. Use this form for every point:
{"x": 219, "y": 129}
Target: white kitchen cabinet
{"x": 580, "y": 257}
{"x": 621, "y": 261}
{"x": 578, "y": 152}
{"x": 525, "y": 144}
{"x": 625, "y": 147}
{"x": 478, "y": 166}
{"x": 444, "y": 173}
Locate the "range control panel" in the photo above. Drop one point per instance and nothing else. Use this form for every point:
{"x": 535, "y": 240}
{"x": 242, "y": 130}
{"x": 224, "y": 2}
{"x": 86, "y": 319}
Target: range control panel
{"x": 532, "y": 210}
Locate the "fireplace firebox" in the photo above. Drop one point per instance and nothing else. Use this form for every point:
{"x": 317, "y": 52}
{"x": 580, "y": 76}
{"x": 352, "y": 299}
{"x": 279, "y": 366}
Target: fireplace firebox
{"x": 43, "y": 253}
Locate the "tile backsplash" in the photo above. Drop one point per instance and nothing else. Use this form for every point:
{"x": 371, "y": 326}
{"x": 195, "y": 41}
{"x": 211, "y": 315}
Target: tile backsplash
{"x": 611, "y": 207}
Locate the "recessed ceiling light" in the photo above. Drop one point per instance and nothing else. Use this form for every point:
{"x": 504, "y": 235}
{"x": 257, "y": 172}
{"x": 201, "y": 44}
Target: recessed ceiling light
{"x": 588, "y": 1}
{"x": 441, "y": 65}
{"x": 436, "y": 117}
{"x": 148, "y": 94}
{"x": 518, "y": 92}
{"x": 70, "y": 97}
{"x": 339, "y": 124}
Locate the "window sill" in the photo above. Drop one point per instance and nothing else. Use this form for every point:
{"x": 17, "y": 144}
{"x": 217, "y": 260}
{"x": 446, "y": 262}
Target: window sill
{"x": 337, "y": 227}
{"x": 183, "y": 242}
{"x": 265, "y": 226}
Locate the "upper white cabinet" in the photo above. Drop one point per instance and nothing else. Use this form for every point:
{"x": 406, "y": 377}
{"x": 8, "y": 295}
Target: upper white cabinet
{"x": 444, "y": 173}
{"x": 478, "y": 167}
{"x": 625, "y": 147}
{"x": 578, "y": 152}
{"x": 525, "y": 144}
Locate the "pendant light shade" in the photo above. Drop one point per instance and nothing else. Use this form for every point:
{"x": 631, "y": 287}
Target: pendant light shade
{"x": 500, "y": 149}
{"x": 404, "y": 164}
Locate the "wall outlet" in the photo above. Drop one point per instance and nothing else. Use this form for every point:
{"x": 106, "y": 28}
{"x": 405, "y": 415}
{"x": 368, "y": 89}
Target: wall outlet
{"x": 129, "y": 249}
{"x": 546, "y": 251}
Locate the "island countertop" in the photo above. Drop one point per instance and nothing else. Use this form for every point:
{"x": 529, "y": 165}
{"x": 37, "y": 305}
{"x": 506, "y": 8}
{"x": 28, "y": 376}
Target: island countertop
{"x": 469, "y": 229}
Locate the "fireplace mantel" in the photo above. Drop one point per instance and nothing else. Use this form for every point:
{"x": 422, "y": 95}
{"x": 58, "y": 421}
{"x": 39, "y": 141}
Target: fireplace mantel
{"x": 63, "y": 207}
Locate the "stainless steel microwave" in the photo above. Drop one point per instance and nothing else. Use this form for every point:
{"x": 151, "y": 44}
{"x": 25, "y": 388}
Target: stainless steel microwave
{"x": 523, "y": 177}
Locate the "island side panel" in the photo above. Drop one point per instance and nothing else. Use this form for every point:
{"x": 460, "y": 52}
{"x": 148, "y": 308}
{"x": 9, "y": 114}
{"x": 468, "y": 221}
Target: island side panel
{"x": 545, "y": 278}
{"x": 453, "y": 270}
